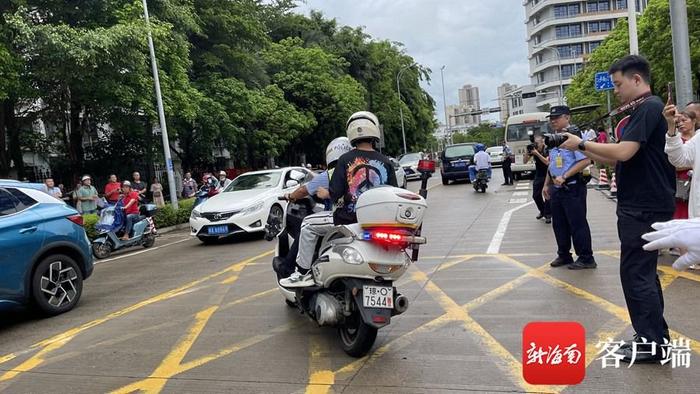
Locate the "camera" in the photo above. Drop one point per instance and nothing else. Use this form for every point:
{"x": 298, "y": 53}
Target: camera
{"x": 554, "y": 140}
{"x": 531, "y": 146}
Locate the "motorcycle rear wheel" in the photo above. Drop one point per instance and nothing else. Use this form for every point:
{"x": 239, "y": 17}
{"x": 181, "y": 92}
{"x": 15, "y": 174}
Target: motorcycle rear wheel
{"x": 356, "y": 336}
{"x": 149, "y": 240}
{"x": 101, "y": 250}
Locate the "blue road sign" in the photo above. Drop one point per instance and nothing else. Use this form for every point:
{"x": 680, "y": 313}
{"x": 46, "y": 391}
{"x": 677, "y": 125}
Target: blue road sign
{"x": 603, "y": 81}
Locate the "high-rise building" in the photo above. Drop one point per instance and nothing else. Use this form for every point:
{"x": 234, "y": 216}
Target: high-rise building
{"x": 504, "y": 94}
{"x": 468, "y": 102}
{"x": 561, "y": 34}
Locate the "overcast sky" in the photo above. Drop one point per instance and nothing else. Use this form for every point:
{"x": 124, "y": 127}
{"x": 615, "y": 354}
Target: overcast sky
{"x": 480, "y": 42}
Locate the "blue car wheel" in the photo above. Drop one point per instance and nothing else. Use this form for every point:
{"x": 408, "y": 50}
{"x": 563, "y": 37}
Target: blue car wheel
{"x": 57, "y": 284}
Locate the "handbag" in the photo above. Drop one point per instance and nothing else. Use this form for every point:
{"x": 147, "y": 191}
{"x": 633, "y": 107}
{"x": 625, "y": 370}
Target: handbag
{"x": 682, "y": 189}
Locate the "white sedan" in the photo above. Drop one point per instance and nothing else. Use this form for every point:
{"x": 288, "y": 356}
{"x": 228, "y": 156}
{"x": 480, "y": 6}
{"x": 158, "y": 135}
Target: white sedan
{"x": 247, "y": 204}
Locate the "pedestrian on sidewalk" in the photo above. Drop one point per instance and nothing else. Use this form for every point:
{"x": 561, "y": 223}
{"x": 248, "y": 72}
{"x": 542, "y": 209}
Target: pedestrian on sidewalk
{"x": 508, "y": 159}
{"x": 541, "y": 157}
{"x": 683, "y": 152}
{"x": 566, "y": 190}
{"x": 189, "y": 186}
{"x": 112, "y": 190}
{"x": 157, "y": 192}
{"x": 50, "y": 189}
{"x": 645, "y": 195}
{"x": 139, "y": 186}
{"x": 87, "y": 196}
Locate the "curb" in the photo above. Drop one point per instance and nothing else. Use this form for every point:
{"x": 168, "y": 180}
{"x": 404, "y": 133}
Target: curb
{"x": 176, "y": 227}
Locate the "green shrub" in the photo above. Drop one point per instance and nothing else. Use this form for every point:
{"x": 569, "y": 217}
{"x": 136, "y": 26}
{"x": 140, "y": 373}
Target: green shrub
{"x": 165, "y": 217}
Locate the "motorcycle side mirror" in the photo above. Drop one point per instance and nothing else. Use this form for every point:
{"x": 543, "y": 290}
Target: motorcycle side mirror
{"x": 291, "y": 183}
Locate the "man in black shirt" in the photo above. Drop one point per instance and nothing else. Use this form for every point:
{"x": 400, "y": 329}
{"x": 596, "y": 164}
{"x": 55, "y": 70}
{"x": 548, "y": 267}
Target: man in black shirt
{"x": 541, "y": 157}
{"x": 645, "y": 195}
{"x": 357, "y": 171}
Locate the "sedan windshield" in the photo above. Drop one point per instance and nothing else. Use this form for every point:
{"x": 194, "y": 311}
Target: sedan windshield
{"x": 410, "y": 158}
{"x": 254, "y": 181}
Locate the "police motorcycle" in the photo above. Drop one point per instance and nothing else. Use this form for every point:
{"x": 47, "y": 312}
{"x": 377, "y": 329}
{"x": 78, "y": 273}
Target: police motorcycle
{"x": 356, "y": 265}
{"x": 110, "y": 229}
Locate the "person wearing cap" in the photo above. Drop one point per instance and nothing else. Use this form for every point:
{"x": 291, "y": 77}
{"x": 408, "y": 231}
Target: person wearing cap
{"x": 223, "y": 181}
{"x": 131, "y": 208}
{"x": 566, "y": 190}
{"x": 87, "y": 196}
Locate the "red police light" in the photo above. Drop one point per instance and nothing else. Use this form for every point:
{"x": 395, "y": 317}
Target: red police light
{"x": 426, "y": 166}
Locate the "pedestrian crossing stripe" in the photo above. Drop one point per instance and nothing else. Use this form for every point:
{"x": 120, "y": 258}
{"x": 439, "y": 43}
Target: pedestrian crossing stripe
{"x": 520, "y": 194}
{"x": 517, "y": 200}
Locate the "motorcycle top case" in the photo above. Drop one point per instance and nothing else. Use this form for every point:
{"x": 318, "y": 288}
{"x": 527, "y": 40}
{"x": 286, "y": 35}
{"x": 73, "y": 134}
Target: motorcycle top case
{"x": 148, "y": 210}
{"x": 390, "y": 206}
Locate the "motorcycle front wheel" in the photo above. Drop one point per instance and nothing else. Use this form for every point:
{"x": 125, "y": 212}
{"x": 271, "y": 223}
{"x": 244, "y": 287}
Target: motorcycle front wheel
{"x": 356, "y": 336}
{"x": 101, "y": 250}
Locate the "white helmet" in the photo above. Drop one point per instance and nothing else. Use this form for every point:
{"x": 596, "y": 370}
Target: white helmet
{"x": 363, "y": 125}
{"x": 337, "y": 148}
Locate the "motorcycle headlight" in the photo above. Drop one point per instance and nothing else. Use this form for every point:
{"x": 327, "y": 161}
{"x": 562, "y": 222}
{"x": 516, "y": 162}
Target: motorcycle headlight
{"x": 352, "y": 256}
{"x": 195, "y": 214}
{"x": 252, "y": 208}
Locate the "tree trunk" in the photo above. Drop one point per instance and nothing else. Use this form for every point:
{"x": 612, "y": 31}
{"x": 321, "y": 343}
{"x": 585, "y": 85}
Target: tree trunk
{"x": 14, "y": 149}
{"x": 76, "y": 153}
{"x": 4, "y": 162}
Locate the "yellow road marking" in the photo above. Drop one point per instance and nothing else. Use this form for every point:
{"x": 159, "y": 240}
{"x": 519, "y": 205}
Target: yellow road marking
{"x": 7, "y": 358}
{"x": 681, "y": 274}
{"x": 155, "y": 383}
{"x": 58, "y": 341}
{"x": 182, "y": 368}
{"x": 505, "y": 360}
{"x": 321, "y": 377}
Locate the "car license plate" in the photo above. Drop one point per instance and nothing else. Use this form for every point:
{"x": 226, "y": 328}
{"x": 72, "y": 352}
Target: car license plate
{"x": 378, "y": 297}
{"x": 461, "y": 164}
{"x": 217, "y": 230}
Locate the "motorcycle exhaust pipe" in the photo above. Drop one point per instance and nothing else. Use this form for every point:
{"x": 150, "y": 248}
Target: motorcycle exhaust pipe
{"x": 400, "y": 304}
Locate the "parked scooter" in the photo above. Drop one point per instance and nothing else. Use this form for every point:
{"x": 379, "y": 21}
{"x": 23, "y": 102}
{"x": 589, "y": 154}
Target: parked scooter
{"x": 482, "y": 181}
{"x": 110, "y": 228}
{"x": 356, "y": 265}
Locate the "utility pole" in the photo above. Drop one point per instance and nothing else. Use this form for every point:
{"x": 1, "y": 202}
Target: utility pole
{"x": 161, "y": 113}
{"x": 444, "y": 100}
{"x": 398, "y": 90}
{"x": 632, "y": 26}
{"x": 681, "y": 52}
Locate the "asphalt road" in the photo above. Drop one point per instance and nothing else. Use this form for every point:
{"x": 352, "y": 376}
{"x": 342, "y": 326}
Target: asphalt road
{"x": 183, "y": 317}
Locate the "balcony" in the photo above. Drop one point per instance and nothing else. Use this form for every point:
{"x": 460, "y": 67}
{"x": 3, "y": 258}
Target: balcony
{"x": 580, "y": 18}
{"x": 552, "y": 61}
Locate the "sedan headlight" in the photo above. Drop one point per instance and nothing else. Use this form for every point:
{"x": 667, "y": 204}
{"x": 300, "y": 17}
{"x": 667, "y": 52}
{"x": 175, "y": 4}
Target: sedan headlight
{"x": 195, "y": 214}
{"x": 253, "y": 208}
{"x": 352, "y": 256}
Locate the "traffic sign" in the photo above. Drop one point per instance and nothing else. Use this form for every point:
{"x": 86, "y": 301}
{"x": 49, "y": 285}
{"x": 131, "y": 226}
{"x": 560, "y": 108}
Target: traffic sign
{"x": 603, "y": 81}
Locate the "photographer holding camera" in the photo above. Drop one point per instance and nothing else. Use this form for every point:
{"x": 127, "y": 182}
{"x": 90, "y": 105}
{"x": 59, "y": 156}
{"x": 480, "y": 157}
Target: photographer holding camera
{"x": 565, "y": 188}
{"x": 539, "y": 152}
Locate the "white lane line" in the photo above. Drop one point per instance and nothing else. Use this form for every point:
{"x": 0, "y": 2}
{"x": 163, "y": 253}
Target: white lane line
{"x": 520, "y": 194}
{"x": 141, "y": 251}
{"x": 497, "y": 240}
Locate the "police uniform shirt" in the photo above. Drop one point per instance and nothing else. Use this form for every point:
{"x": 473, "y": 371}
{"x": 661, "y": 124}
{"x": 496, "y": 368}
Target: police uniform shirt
{"x": 562, "y": 160}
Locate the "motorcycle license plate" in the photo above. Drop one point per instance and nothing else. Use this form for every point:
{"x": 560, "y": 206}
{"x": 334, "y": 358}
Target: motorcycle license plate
{"x": 378, "y": 297}
{"x": 217, "y": 230}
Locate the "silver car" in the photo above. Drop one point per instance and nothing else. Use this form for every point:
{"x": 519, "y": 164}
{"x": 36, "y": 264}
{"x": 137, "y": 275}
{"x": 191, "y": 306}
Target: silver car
{"x": 496, "y": 153}
{"x": 409, "y": 163}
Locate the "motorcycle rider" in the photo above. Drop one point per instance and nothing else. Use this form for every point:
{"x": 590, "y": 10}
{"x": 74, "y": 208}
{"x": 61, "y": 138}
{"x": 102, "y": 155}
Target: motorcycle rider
{"x": 131, "y": 208}
{"x": 482, "y": 161}
{"x": 334, "y": 150}
{"x": 223, "y": 181}
{"x": 357, "y": 171}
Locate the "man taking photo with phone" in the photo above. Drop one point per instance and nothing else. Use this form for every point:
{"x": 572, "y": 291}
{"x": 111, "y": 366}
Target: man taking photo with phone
{"x": 646, "y": 190}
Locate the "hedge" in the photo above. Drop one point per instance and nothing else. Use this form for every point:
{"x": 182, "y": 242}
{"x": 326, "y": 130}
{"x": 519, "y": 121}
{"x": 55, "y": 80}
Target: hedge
{"x": 165, "y": 217}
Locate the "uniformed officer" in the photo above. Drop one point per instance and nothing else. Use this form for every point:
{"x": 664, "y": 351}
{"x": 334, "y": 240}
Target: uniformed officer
{"x": 566, "y": 190}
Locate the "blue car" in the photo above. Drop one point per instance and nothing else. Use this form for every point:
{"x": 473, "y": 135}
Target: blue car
{"x": 44, "y": 251}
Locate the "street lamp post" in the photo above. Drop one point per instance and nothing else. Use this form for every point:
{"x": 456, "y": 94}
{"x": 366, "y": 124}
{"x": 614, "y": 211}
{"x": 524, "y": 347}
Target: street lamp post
{"x": 398, "y": 90}
{"x": 561, "y": 79}
{"x": 161, "y": 113}
{"x": 444, "y": 100}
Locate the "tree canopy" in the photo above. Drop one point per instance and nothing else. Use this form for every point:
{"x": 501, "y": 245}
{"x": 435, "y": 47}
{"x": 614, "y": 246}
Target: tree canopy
{"x": 248, "y": 76}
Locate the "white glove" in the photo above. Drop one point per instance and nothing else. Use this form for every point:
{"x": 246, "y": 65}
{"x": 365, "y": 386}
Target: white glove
{"x": 683, "y": 234}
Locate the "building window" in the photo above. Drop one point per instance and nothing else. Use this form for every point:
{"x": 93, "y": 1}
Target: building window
{"x": 621, "y": 4}
{"x": 593, "y": 27}
{"x": 561, "y": 11}
{"x": 568, "y": 31}
{"x": 605, "y": 25}
{"x": 598, "y": 6}
{"x": 574, "y": 30}
{"x": 574, "y": 9}
{"x": 593, "y": 45}
{"x": 538, "y": 39}
{"x": 569, "y": 51}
